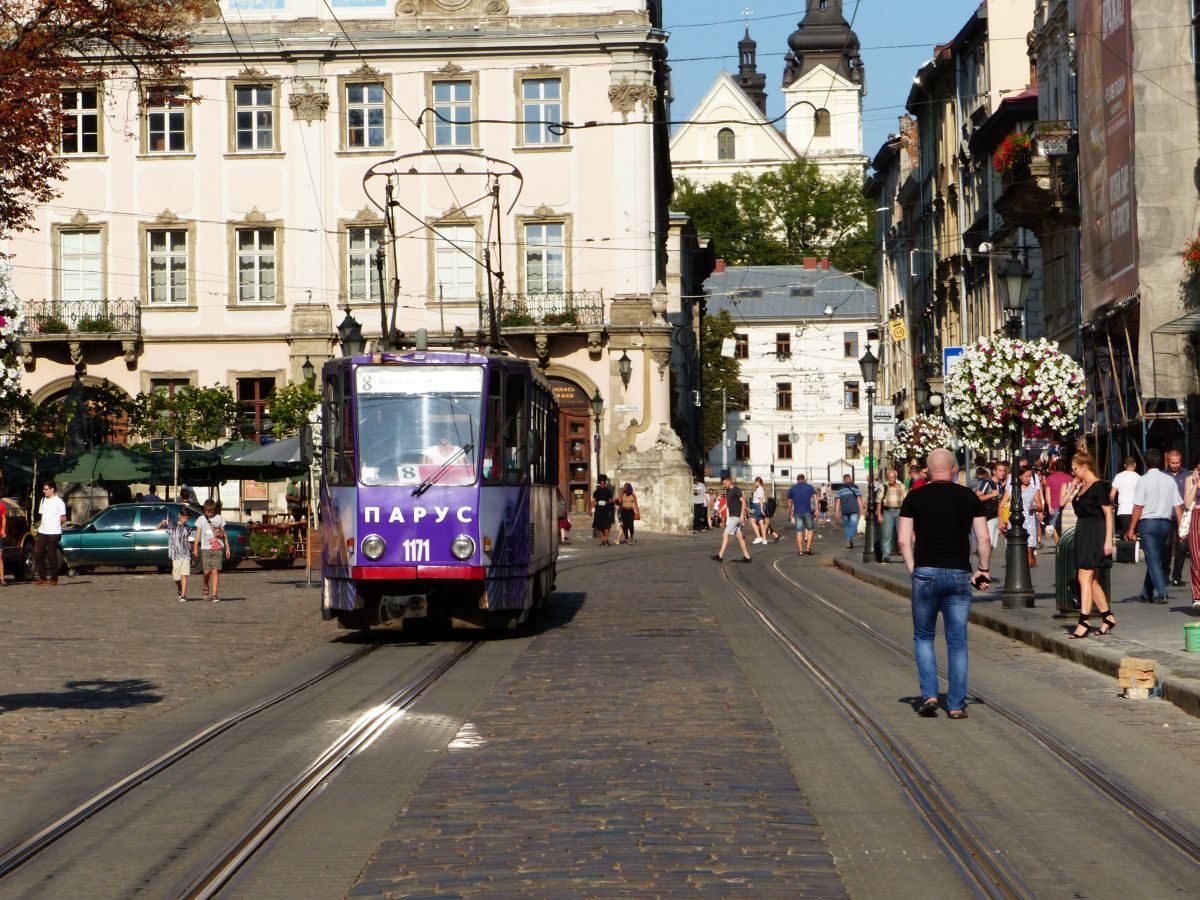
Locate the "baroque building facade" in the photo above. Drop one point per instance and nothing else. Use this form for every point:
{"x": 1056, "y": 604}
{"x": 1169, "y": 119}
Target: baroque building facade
{"x": 214, "y": 229}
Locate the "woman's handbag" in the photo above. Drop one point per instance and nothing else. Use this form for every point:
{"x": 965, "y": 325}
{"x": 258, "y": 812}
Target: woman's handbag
{"x": 1185, "y": 524}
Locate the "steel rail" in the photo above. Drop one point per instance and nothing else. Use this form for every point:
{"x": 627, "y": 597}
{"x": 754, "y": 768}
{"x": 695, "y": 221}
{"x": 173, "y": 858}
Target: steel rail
{"x": 965, "y": 846}
{"x": 1183, "y": 840}
{"x": 16, "y": 855}
{"x": 222, "y": 867}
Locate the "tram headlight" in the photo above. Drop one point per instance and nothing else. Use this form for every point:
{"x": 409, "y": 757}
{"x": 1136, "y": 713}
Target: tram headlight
{"x": 373, "y": 546}
{"x": 463, "y": 547}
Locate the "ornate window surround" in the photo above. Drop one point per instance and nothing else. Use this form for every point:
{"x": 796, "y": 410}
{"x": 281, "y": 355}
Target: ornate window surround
{"x": 166, "y": 221}
{"x": 253, "y": 78}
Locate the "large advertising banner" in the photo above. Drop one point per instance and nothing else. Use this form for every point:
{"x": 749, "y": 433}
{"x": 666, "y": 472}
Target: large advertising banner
{"x": 1106, "y": 183}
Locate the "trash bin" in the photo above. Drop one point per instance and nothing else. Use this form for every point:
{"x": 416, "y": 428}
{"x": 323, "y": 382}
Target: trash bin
{"x": 1066, "y": 584}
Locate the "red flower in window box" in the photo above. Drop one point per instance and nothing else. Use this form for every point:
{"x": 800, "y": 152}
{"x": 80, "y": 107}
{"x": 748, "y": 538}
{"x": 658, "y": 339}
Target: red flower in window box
{"x": 1015, "y": 150}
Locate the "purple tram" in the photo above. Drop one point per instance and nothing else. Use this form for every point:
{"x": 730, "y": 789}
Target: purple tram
{"x": 438, "y": 489}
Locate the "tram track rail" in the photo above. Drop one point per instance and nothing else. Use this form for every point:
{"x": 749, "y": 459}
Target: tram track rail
{"x": 16, "y": 855}
{"x": 968, "y": 849}
{"x": 1142, "y": 810}
{"x": 217, "y": 872}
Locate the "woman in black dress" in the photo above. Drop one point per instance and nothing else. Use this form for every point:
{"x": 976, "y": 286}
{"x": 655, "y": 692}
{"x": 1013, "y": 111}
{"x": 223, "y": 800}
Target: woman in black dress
{"x": 602, "y": 509}
{"x": 1093, "y": 542}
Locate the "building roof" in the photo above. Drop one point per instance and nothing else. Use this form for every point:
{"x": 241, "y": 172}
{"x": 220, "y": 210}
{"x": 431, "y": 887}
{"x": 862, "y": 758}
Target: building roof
{"x": 772, "y": 293}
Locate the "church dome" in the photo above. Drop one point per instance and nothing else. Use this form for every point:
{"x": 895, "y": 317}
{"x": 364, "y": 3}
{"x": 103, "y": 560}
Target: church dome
{"x": 823, "y": 37}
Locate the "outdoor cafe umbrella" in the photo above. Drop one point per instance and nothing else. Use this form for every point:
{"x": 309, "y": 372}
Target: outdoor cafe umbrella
{"x": 111, "y": 463}
{"x": 245, "y": 460}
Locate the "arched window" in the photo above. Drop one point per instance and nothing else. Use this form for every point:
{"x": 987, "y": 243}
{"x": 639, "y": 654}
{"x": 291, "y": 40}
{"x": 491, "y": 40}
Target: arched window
{"x": 726, "y": 144}
{"x": 821, "y": 123}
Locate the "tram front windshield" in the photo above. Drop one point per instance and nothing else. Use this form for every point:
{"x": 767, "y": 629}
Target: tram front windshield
{"x": 417, "y": 423}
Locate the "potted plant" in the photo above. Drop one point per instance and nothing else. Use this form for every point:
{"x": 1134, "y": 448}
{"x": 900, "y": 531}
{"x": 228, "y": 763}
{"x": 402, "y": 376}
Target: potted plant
{"x": 96, "y": 325}
{"x": 516, "y": 318}
{"x": 918, "y": 436}
{"x": 1191, "y": 256}
{"x": 271, "y": 548}
{"x": 52, "y": 325}
{"x": 561, "y": 318}
{"x": 1014, "y": 151}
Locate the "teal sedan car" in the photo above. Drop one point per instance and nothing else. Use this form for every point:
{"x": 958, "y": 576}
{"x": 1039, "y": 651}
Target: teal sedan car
{"x": 127, "y": 535}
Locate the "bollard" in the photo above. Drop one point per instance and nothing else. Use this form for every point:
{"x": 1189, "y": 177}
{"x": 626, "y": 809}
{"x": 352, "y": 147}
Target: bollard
{"x": 1066, "y": 584}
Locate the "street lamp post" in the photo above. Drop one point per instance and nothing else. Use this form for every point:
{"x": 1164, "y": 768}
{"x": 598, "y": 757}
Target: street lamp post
{"x": 597, "y": 412}
{"x": 350, "y": 335}
{"x": 869, "y": 365}
{"x": 1013, "y": 286}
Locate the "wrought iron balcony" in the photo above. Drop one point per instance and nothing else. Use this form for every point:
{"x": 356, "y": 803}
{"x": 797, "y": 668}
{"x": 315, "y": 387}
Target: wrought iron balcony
{"x": 77, "y": 319}
{"x": 556, "y": 309}
{"x": 80, "y": 324}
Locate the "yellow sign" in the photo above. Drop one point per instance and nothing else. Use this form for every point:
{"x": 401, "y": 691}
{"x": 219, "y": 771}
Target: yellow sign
{"x": 899, "y": 332}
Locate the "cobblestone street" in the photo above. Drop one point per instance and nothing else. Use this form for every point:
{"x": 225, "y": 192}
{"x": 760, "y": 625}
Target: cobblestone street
{"x": 103, "y": 653}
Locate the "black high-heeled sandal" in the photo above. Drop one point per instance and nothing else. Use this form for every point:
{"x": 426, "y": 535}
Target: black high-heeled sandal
{"x": 1108, "y": 624}
{"x": 1082, "y": 623}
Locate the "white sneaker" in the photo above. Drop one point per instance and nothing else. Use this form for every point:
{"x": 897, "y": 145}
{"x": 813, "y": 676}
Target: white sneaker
{"x": 758, "y": 541}
{"x": 182, "y": 599}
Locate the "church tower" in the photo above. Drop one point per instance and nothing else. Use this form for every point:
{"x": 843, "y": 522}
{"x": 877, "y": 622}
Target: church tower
{"x": 753, "y": 82}
{"x": 823, "y": 86}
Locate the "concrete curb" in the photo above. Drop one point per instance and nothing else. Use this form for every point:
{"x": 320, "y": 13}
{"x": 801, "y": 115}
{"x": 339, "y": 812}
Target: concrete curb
{"x": 1181, "y": 690}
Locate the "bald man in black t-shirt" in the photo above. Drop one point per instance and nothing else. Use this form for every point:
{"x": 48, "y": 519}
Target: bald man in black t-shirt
{"x": 935, "y": 528}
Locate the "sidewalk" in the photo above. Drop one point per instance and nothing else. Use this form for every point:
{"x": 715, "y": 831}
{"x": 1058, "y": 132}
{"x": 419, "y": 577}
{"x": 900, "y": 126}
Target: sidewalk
{"x": 1146, "y": 630}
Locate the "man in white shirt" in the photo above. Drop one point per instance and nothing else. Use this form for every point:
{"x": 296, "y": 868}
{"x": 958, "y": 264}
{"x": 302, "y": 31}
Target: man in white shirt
{"x": 699, "y": 506}
{"x": 45, "y": 547}
{"x": 1123, "y": 487}
{"x": 1155, "y": 499}
{"x": 441, "y": 452}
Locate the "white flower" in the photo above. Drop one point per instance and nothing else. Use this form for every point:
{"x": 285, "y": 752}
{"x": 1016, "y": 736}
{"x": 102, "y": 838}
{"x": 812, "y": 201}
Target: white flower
{"x": 916, "y": 437}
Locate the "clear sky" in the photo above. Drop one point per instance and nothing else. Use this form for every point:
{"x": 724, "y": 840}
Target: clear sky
{"x": 897, "y": 37}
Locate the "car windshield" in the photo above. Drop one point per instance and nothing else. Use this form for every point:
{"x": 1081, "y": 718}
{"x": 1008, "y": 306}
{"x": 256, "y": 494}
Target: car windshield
{"x": 418, "y": 421}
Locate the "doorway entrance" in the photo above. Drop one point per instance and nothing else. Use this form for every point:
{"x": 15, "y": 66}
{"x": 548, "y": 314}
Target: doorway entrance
{"x": 575, "y": 444}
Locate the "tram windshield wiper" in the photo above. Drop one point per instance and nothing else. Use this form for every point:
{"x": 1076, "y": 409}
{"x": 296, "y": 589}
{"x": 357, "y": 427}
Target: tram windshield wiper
{"x": 441, "y": 470}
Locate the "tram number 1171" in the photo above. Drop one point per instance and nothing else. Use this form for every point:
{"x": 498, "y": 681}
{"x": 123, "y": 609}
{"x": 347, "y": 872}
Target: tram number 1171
{"x": 416, "y": 551}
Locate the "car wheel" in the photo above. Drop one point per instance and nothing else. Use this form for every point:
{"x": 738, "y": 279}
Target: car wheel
{"x": 27, "y": 563}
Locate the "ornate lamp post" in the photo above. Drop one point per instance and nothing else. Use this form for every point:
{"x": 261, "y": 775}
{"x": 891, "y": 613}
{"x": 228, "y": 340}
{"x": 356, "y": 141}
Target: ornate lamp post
{"x": 921, "y": 395}
{"x": 625, "y": 368}
{"x": 597, "y": 412}
{"x": 869, "y": 365}
{"x": 350, "y": 335}
{"x": 1013, "y": 285}
{"x": 308, "y": 372}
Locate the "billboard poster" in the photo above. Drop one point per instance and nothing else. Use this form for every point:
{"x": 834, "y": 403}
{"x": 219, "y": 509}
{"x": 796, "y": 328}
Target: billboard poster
{"x": 255, "y": 5}
{"x": 1106, "y": 162}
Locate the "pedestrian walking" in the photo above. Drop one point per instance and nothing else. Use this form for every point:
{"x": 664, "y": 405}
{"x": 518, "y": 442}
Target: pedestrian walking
{"x": 1031, "y": 509}
{"x": 45, "y": 546}
{"x": 1056, "y": 483}
{"x": 1179, "y": 546}
{"x": 733, "y": 509}
{"x": 602, "y": 509}
{"x": 699, "y": 505}
{"x": 629, "y": 512}
{"x": 3, "y": 535}
{"x": 823, "y": 505}
{"x": 848, "y": 504}
{"x": 989, "y": 488}
{"x": 179, "y": 550}
{"x": 1123, "y": 488}
{"x": 758, "y": 500}
{"x": 935, "y": 524}
{"x": 1093, "y": 542}
{"x": 1156, "y": 499}
{"x": 1190, "y": 511}
{"x": 887, "y": 512}
{"x": 801, "y": 500}
{"x": 564, "y": 520}
{"x": 208, "y": 543}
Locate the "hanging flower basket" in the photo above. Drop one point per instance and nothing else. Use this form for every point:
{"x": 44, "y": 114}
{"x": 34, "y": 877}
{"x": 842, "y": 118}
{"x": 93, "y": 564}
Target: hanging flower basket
{"x": 1191, "y": 256}
{"x": 1015, "y": 150}
{"x": 916, "y": 437}
{"x": 10, "y": 325}
{"x": 1001, "y": 384}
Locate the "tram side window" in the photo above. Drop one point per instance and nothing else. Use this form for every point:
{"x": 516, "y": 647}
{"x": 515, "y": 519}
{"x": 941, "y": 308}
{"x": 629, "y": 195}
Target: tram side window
{"x": 332, "y": 432}
{"x": 346, "y": 435}
{"x": 495, "y": 424}
{"x": 516, "y": 431}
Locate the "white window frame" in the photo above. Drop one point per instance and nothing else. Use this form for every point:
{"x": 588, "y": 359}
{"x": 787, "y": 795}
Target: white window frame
{"x": 541, "y": 108}
{"x": 258, "y": 255}
{"x": 78, "y": 117}
{"x": 454, "y": 252}
{"x": 363, "y": 257}
{"x": 535, "y": 239}
{"x": 171, "y": 117}
{"x": 726, "y": 136}
{"x": 256, "y": 110}
{"x": 365, "y": 107}
{"x": 177, "y": 267}
{"x": 78, "y": 281}
{"x": 459, "y": 131}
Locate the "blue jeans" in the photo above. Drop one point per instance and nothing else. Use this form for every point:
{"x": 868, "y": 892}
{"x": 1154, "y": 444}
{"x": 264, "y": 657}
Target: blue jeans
{"x": 850, "y": 525}
{"x": 888, "y": 543}
{"x": 947, "y": 591}
{"x": 1155, "y": 535}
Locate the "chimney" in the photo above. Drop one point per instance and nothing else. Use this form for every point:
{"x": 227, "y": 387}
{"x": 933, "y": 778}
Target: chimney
{"x": 825, "y": 263}
{"x": 719, "y": 266}
{"x": 810, "y": 262}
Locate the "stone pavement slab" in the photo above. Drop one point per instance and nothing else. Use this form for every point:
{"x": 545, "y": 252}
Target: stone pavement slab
{"x": 1146, "y": 630}
{"x": 624, "y": 753}
{"x": 100, "y": 654}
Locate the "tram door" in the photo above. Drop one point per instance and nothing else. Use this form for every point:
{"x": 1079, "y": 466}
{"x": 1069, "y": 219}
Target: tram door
{"x": 575, "y": 445}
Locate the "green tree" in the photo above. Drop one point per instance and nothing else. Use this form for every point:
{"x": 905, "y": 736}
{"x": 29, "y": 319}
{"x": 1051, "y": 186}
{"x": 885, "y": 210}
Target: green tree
{"x": 289, "y": 408}
{"x": 198, "y": 415}
{"x": 719, "y": 373}
{"x": 781, "y": 217}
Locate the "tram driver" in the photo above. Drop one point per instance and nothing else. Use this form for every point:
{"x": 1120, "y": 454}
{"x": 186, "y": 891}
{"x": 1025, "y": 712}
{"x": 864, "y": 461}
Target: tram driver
{"x": 443, "y": 451}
